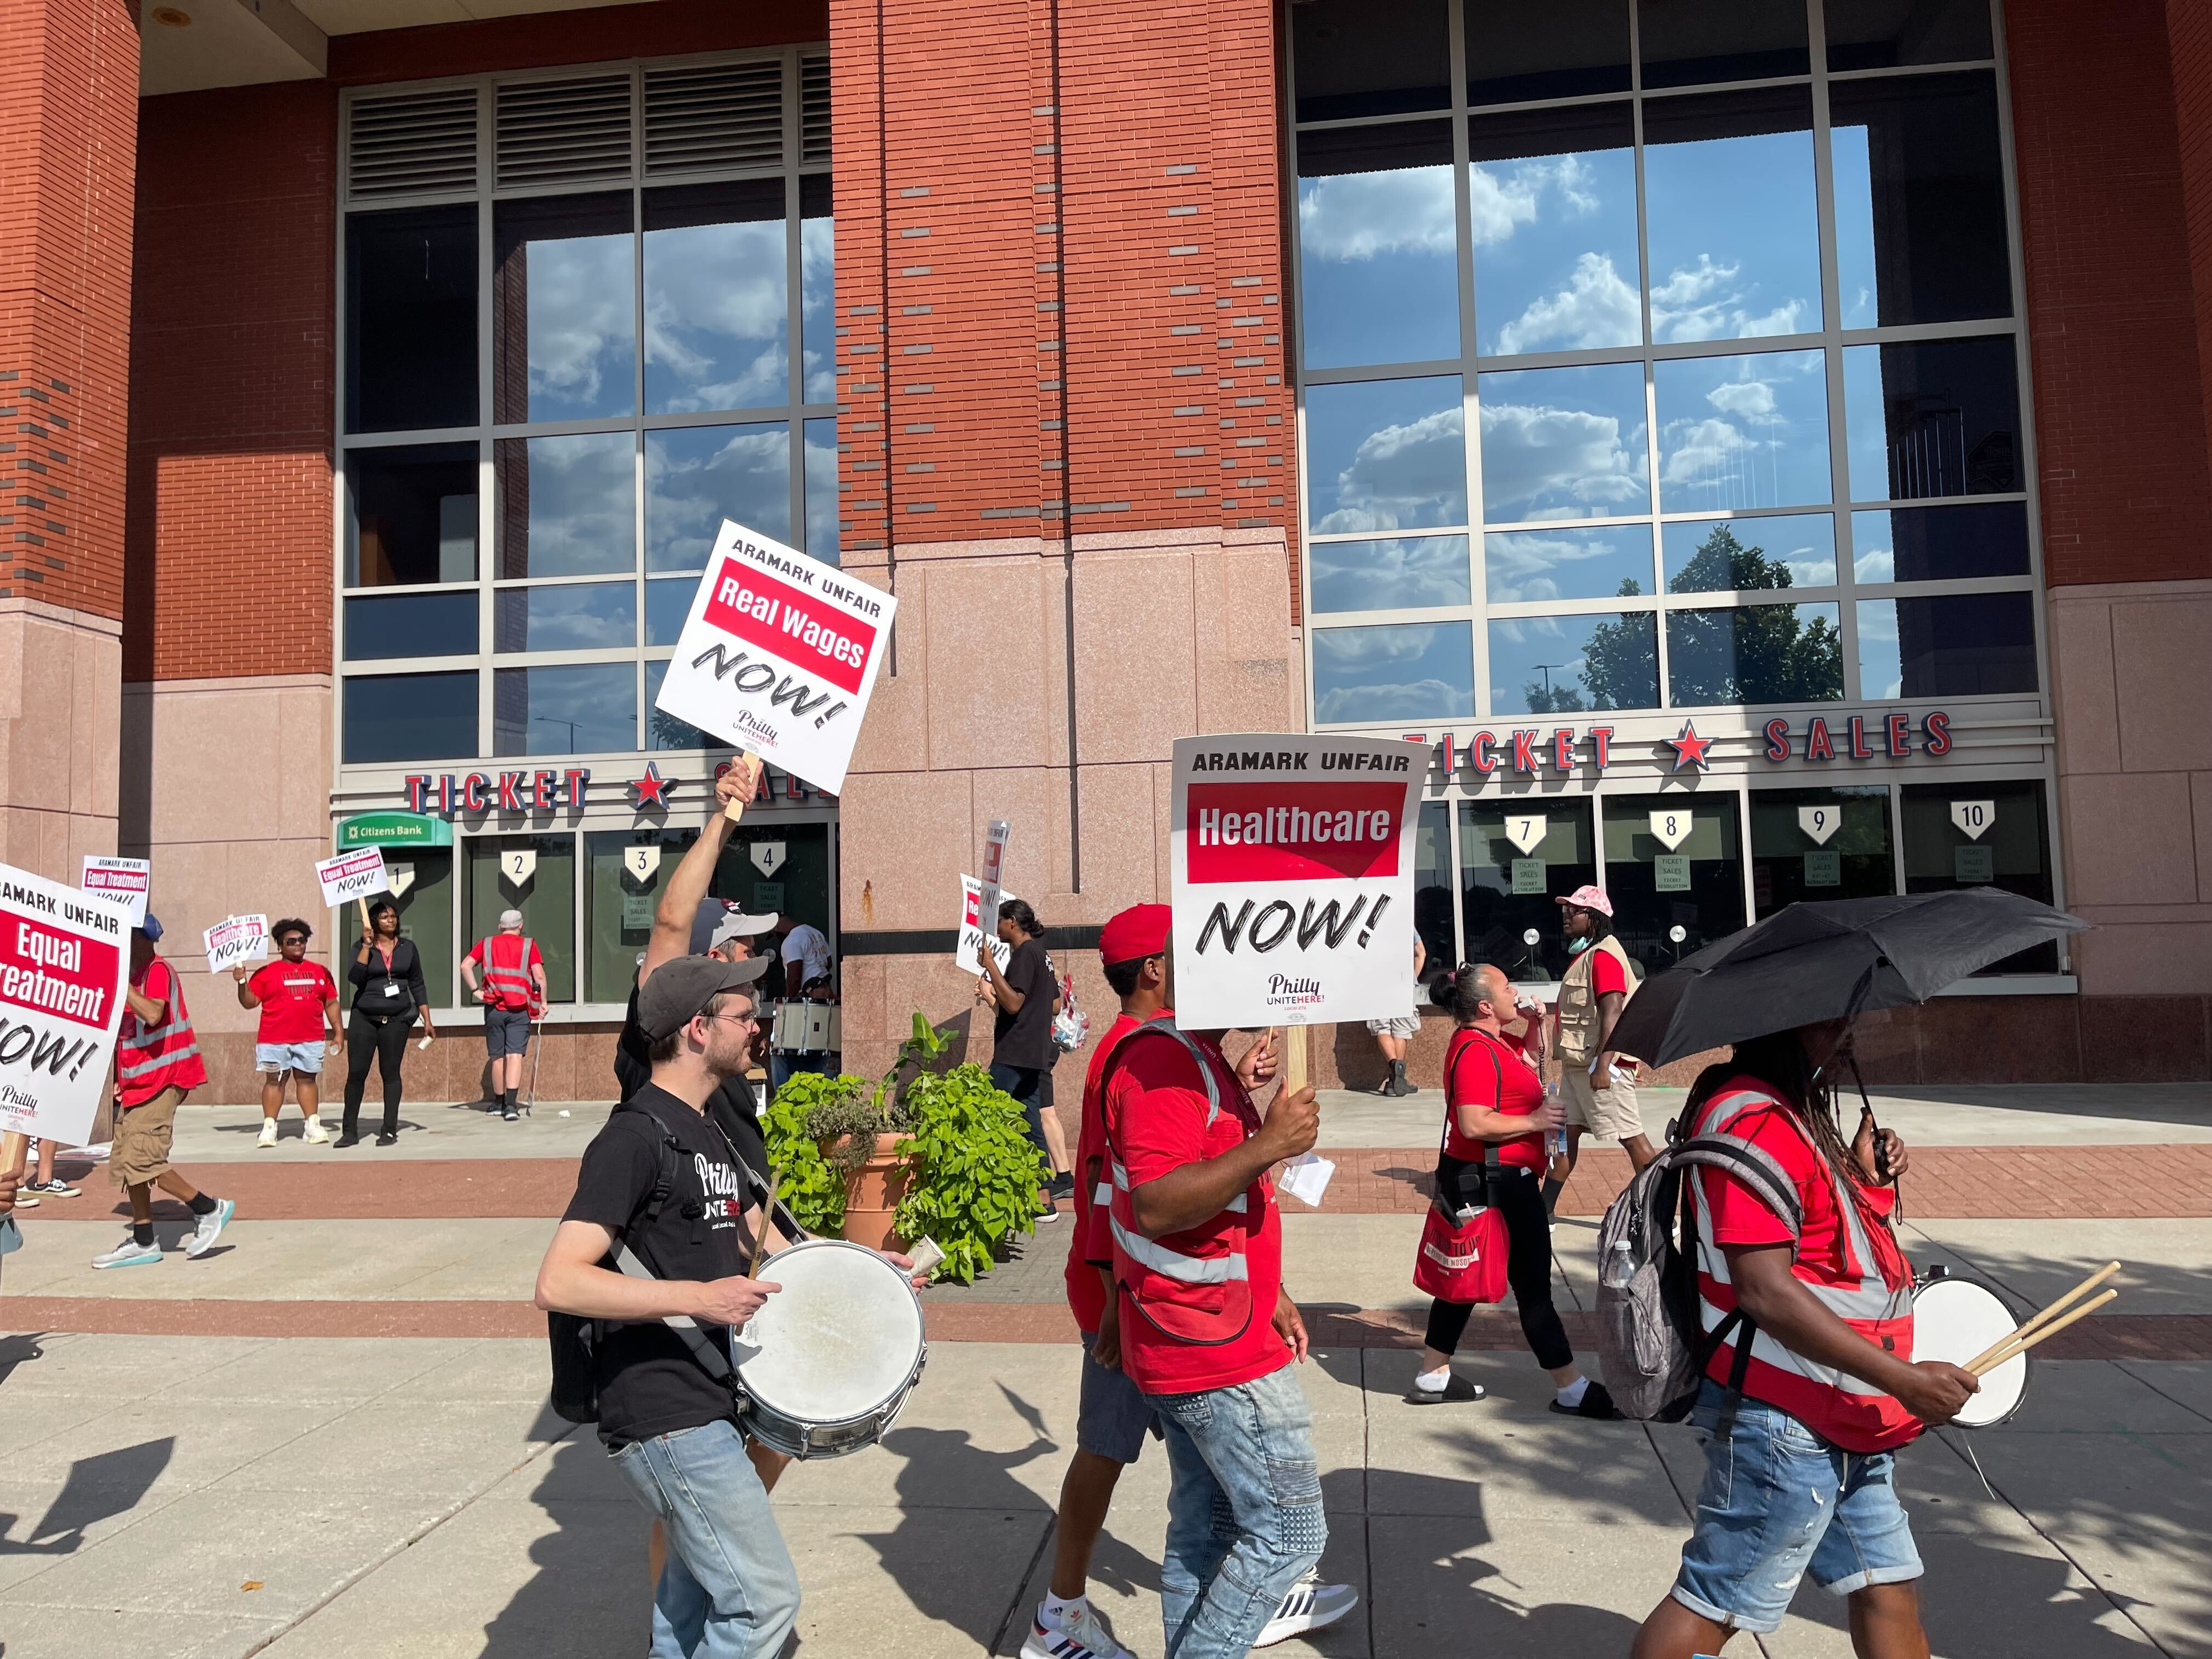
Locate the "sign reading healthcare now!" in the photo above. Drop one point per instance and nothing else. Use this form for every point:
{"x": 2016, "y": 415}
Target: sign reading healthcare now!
{"x": 1292, "y": 863}
{"x": 64, "y": 960}
{"x": 778, "y": 656}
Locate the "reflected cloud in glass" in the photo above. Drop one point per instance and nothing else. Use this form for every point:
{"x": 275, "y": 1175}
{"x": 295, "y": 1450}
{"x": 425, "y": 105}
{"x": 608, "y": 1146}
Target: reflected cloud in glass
{"x": 1569, "y": 664}
{"x": 1378, "y": 246}
{"x": 1562, "y": 443}
{"x": 663, "y": 730}
{"x": 564, "y": 282}
{"x": 818, "y": 272}
{"x": 1385, "y": 455}
{"x": 590, "y": 708}
{"x": 1553, "y": 197}
{"x": 668, "y": 603}
{"x": 1398, "y": 574}
{"x": 822, "y": 489}
{"x": 1881, "y": 675}
{"x": 1423, "y": 670}
{"x": 716, "y": 298}
{"x": 1738, "y": 432}
{"x": 1734, "y": 241}
{"x": 697, "y": 476}
{"x": 1529, "y": 567}
{"x": 578, "y": 616}
{"x": 568, "y": 506}
{"x": 1796, "y": 552}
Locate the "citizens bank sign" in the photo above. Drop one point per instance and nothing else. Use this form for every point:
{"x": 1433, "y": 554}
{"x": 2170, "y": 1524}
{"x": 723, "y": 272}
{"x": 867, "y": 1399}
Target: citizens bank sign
{"x": 1534, "y": 750}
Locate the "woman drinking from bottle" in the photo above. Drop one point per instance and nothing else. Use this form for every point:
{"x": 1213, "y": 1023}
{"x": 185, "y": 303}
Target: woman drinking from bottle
{"x": 386, "y": 972}
{"x": 1493, "y": 1100}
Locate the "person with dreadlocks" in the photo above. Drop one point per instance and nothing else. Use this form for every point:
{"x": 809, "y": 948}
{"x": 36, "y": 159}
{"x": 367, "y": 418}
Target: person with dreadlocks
{"x": 1807, "y": 1397}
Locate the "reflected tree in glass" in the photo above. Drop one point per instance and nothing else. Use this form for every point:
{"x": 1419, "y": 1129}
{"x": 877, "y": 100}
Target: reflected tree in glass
{"x": 1757, "y": 653}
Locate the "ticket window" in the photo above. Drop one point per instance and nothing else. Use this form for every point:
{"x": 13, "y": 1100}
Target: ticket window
{"x": 424, "y": 877}
{"x": 1516, "y": 860}
{"x": 536, "y": 875}
{"x": 1432, "y": 904}
{"x": 1820, "y": 844}
{"x": 626, "y": 873}
{"x": 1673, "y": 861}
{"x": 1982, "y": 834}
{"x": 783, "y": 867}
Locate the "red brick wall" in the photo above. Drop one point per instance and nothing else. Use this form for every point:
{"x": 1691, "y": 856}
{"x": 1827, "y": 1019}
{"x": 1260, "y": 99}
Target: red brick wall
{"x": 2189, "y": 31}
{"x": 233, "y": 337}
{"x": 68, "y": 106}
{"x": 1000, "y": 160}
{"x": 665, "y": 28}
{"x": 2113, "y": 317}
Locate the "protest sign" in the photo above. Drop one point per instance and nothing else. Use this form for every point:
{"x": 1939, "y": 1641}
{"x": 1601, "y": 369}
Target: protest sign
{"x": 65, "y": 958}
{"x": 351, "y": 875}
{"x": 972, "y": 931}
{"x": 992, "y": 896}
{"x": 235, "y": 939}
{"x": 124, "y": 881}
{"x": 1291, "y": 860}
{"x": 778, "y": 656}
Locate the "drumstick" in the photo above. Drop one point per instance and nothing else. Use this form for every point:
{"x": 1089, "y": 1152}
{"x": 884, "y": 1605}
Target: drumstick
{"x": 2037, "y": 1322}
{"x": 2021, "y": 1345}
{"x": 760, "y": 1237}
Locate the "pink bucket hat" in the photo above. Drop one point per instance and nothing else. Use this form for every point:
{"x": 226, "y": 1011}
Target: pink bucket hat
{"x": 1590, "y": 899}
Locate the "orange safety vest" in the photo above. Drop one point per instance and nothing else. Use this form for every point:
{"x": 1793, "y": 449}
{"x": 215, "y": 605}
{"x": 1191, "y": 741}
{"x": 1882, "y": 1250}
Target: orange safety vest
{"x": 509, "y": 979}
{"x": 1201, "y": 1294}
{"x": 149, "y": 1060}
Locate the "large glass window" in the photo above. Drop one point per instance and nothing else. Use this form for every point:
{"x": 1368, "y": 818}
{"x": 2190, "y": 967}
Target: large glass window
{"x": 1673, "y": 861}
{"x": 1975, "y": 834}
{"x": 1821, "y": 844}
{"x": 1432, "y": 889}
{"x": 536, "y": 875}
{"x": 1517, "y": 860}
{"x": 657, "y": 357}
{"x": 1656, "y": 287}
{"x": 424, "y": 878}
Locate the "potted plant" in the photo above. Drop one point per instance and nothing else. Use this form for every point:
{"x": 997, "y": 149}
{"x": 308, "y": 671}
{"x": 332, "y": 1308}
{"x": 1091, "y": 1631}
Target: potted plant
{"x": 924, "y": 1151}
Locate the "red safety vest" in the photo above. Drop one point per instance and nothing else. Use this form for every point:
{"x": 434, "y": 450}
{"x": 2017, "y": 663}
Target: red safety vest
{"x": 149, "y": 1060}
{"x": 1201, "y": 1294}
{"x": 507, "y": 970}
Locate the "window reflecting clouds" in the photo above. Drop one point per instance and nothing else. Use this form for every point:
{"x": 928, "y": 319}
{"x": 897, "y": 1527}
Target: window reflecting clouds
{"x": 1737, "y": 432}
{"x": 716, "y": 307}
{"x": 588, "y": 709}
{"x": 1385, "y": 455}
{"x": 1399, "y": 573}
{"x": 1552, "y": 201}
{"x": 568, "y": 506}
{"x": 1529, "y": 566}
{"x": 564, "y": 309}
{"x": 1734, "y": 236}
{"x": 1563, "y": 443}
{"x": 1378, "y": 246}
{"x": 817, "y": 267}
{"x": 1413, "y": 671}
{"x": 1565, "y": 664}
{"x": 822, "y": 508}
{"x": 697, "y": 476}
{"x": 572, "y": 617}
{"x": 1713, "y": 556}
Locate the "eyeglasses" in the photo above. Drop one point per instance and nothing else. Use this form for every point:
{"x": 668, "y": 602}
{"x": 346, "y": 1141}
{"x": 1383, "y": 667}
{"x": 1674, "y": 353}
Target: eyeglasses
{"x": 734, "y": 1020}
{"x": 293, "y": 938}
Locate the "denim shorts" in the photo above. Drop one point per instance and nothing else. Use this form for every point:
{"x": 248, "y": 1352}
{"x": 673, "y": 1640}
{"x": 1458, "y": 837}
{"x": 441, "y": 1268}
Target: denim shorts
{"x": 304, "y": 1058}
{"x": 1111, "y": 1416}
{"x": 1779, "y": 1502}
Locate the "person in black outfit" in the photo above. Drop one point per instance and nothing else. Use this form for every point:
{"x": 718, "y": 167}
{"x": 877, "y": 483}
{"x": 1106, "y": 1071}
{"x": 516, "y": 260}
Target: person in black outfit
{"x": 1026, "y": 996}
{"x": 386, "y": 973}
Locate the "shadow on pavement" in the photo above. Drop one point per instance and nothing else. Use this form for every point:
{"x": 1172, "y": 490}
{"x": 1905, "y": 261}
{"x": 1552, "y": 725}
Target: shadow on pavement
{"x": 97, "y": 1489}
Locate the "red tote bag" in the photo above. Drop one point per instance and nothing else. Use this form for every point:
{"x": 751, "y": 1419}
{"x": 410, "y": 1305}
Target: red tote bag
{"x": 1464, "y": 1261}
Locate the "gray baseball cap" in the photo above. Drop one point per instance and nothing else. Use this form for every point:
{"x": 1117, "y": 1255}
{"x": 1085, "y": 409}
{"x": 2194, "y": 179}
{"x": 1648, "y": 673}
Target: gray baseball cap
{"x": 737, "y": 925}
{"x": 679, "y": 989}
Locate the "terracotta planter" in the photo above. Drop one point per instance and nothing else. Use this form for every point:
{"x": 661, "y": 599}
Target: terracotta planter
{"x": 872, "y": 1193}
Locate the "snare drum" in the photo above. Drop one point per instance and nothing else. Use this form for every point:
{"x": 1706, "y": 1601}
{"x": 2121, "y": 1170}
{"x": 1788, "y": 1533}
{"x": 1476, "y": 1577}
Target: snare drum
{"x": 802, "y": 1027}
{"x": 829, "y": 1361}
{"x": 1954, "y": 1320}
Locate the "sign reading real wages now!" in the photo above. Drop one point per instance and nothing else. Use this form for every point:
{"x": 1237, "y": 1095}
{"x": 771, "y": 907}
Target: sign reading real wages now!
{"x": 64, "y": 957}
{"x": 1292, "y": 859}
{"x": 778, "y": 656}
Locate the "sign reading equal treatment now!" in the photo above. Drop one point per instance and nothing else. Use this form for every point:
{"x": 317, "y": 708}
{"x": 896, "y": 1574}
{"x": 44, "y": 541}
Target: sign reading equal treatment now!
{"x": 1292, "y": 860}
{"x": 778, "y": 656}
{"x": 63, "y": 958}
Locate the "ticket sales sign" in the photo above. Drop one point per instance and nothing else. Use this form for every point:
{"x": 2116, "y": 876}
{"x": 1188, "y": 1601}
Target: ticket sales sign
{"x": 64, "y": 959}
{"x": 779, "y": 655}
{"x": 1293, "y": 865}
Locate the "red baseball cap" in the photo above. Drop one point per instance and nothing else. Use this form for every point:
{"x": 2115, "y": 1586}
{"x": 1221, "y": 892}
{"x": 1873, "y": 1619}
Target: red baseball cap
{"x": 1140, "y": 931}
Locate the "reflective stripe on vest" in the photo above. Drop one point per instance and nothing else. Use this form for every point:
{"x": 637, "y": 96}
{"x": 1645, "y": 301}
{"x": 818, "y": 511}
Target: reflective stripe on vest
{"x": 513, "y": 977}
{"x": 1235, "y": 1205}
{"x": 149, "y": 1057}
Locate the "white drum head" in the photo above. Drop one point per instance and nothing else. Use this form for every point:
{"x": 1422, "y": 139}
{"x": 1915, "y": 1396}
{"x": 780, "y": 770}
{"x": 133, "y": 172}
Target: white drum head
{"x": 1954, "y": 1320}
{"x": 838, "y": 1341}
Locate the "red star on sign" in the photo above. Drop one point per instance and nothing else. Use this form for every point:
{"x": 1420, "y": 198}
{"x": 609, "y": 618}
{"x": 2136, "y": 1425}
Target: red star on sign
{"x": 652, "y": 789}
{"x": 1690, "y": 748}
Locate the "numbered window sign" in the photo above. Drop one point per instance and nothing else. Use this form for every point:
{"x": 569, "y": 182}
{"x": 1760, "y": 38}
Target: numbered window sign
{"x": 1973, "y": 818}
{"x": 1670, "y": 826}
{"x": 1820, "y": 823}
{"x": 1525, "y": 830}
{"x": 642, "y": 863}
{"x": 398, "y": 878}
{"x": 517, "y": 864}
{"x": 768, "y": 856}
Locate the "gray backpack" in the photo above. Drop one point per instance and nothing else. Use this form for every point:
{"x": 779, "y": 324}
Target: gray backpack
{"x": 1652, "y": 1350}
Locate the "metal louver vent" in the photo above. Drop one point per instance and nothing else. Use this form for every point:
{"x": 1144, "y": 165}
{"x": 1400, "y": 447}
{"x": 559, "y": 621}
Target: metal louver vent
{"x": 814, "y": 107}
{"x": 560, "y": 132}
{"x": 720, "y": 115}
{"x": 412, "y": 143}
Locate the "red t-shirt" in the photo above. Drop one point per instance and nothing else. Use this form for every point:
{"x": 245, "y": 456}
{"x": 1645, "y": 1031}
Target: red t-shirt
{"x": 1849, "y": 1412}
{"x": 1155, "y": 1113}
{"x": 1090, "y": 1243}
{"x": 1471, "y": 1080}
{"x": 292, "y": 995}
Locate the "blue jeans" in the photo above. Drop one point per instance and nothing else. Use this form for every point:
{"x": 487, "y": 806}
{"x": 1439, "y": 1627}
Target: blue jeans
{"x": 728, "y": 1590}
{"x": 1244, "y": 1513}
{"x": 782, "y": 1065}
{"x": 1780, "y": 1504}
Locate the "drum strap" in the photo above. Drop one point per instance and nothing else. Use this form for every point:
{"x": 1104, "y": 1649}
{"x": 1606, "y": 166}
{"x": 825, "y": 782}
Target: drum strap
{"x": 709, "y": 1354}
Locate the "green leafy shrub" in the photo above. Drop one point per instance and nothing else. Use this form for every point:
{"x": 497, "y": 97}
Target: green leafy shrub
{"x": 975, "y": 1176}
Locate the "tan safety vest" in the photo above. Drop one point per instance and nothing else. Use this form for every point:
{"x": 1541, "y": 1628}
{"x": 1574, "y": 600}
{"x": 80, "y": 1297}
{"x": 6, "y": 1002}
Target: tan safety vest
{"x": 1579, "y": 1016}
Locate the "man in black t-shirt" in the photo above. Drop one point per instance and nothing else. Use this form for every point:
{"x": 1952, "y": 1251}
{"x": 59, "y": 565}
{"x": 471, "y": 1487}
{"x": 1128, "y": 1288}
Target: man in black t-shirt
{"x": 671, "y": 1427}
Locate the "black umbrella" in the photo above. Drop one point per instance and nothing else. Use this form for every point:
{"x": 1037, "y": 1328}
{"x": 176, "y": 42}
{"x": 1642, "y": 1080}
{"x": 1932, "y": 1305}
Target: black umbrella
{"x": 1829, "y": 960}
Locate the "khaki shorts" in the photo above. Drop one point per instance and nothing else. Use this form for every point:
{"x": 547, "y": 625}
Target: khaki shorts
{"x": 1608, "y": 1114}
{"x": 1404, "y": 1025}
{"x": 140, "y": 1150}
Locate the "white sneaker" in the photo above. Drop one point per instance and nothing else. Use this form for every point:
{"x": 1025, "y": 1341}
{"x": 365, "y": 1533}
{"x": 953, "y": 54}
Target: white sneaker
{"x": 1310, "y": 1606}
{"x": 1086, "y": 1637}
{"x": 24, "y": 1200}
{"x": 268, "y": 1132}
{"x": 316, "y": 1134}
{"x": 210, "y": 1227}
{"x": 129, "y": 1254}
